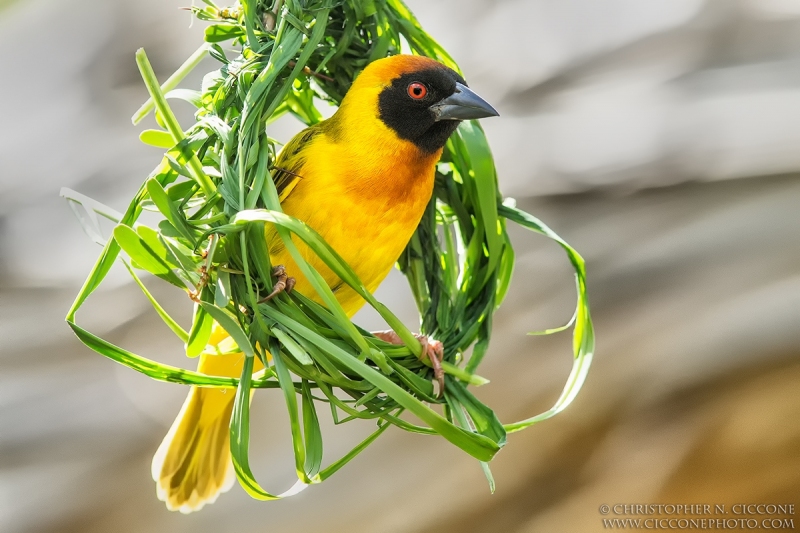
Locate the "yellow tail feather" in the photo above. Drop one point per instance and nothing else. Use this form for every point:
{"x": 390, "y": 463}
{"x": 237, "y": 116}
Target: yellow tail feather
{"x": 192, "y": 466}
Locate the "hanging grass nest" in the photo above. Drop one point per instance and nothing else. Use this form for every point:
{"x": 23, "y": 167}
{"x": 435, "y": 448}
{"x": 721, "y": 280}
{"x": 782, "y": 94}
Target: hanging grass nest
{"x": 214, "y": 190}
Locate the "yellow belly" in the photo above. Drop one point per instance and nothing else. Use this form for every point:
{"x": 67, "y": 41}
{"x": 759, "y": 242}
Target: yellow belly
{"x": 368, "y": 220}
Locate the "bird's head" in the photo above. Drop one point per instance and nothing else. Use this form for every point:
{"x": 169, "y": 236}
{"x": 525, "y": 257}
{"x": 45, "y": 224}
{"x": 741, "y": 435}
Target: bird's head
{"x": 419, "y": 99}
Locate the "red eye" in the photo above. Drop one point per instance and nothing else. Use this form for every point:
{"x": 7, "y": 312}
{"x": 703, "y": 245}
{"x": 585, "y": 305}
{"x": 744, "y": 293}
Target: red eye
{"x": 417, "y": 91}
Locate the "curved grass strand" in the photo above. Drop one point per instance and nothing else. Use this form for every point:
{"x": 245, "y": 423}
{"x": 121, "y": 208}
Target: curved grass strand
{"x": 240, "y": 441}
{"x": 160, "y": 371}
{"x": 168, "y": 320}
{"x": 583, "y": 334}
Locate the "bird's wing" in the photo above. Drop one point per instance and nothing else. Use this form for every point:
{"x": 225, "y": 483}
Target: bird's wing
{"x": 287, "y": 171}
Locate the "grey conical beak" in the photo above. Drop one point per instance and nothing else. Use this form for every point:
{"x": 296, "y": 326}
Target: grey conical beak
{"x": 463, "y": 104}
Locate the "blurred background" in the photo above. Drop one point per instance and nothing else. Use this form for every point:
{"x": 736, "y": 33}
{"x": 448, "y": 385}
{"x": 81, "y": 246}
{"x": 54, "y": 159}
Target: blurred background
{"x": 660, "y": 138}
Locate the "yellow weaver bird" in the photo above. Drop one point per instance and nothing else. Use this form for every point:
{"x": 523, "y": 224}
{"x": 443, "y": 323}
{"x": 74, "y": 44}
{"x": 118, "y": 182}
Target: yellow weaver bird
{"x": 362, "y": 179}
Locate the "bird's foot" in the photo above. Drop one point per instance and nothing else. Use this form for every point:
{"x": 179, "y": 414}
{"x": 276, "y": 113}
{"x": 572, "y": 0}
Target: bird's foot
{"x": 283, "y": 283}
{"x": 432, "y": 349}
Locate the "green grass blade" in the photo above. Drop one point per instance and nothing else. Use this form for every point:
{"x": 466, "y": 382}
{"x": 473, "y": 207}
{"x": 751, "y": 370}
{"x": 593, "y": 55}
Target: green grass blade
{"x": 201, "y": 328}
{"x": 144, "y": 256}
{"x": 583, "y": 333}
{"x": 169, "y": 210}
{"x": 312, "y": 433}
{"x": 240, "y": 441}
{"x": 291, "y": 405}
{"x": 157, "y": 138}
{"x": 172, "y": 82}
{"x": 231, "y": 325}
{"x": 485, "y": 179}
{"x": 463, "y": 375}
{"x": 484, "y": 419}
{"x": 158, "y": 371}
{"x": 295, "y": 349}
{"x": 333, "y": 468}
{"x": 168, "y": 320}
{"x": 170, "y": 121}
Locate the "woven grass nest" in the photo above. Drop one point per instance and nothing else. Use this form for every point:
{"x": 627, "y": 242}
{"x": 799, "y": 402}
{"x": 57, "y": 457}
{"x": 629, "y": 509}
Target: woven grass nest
{"x": 214, "y": 193}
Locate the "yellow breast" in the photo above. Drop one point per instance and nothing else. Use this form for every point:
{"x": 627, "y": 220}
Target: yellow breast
{"x": 365, "y": 198}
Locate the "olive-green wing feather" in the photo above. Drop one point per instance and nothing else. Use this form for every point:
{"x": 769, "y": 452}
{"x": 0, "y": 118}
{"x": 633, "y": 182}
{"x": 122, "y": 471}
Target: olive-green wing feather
{"x": 287, "y": 171}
